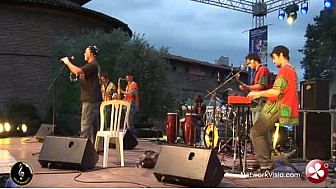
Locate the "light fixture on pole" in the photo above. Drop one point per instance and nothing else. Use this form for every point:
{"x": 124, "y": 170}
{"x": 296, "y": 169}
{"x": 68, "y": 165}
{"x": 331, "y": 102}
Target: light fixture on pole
{"x": 291, "y": 18}
{"x": 327, "y": 3}
{"x": 304, "y": 8}
{"x": 281, "y": 15}
{"x": 291, "y": 11}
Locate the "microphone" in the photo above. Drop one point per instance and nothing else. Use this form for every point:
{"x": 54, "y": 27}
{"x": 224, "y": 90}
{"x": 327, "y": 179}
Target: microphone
{"x": 230, "y": 74}
{"x": 246, "y": 64}
{"x": 70, "y": 58}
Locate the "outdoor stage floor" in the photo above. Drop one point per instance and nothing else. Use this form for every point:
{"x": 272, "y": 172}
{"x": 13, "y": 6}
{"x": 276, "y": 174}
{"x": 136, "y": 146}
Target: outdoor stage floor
{"x": 16, "y": 149}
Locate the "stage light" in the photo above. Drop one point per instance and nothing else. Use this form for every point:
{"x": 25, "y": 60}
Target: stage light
{"x": 7, "y": 127}
{"x": 281, "y": 15}
{"x": 304, "y": 8}
{"x": 327, "y": 3}
{"x": 291, "y": 11}
{"x": 291, "y": 18}
{"x": 1, "y": 128}
{"x": 24, "y": 128}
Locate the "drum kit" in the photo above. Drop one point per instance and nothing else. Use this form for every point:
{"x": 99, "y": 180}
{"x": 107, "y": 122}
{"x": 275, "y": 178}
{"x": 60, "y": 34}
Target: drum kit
{"x": 225, "y": 126}
{"x": 216, "y": 130}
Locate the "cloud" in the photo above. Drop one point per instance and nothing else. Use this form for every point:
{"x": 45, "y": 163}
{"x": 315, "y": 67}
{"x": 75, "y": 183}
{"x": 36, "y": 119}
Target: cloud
{"x": 205, "y": 32}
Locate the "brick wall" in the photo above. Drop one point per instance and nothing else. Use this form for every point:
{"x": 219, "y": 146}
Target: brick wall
{"x": 25, "y": 40}
{"x": 184, "y": 84}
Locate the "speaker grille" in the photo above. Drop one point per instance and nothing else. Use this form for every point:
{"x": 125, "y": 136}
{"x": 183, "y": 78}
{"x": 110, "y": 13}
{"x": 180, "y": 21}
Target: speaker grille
{"x": 315, "y": 94}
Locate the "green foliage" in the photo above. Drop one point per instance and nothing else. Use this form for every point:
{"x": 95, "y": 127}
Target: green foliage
{"x": 320, "y": 46}
{"x": 19, "y": 113}
{"x": 118, "y": 54}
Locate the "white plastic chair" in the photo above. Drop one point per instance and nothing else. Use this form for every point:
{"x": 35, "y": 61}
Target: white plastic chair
{"x": 117, "y": 131}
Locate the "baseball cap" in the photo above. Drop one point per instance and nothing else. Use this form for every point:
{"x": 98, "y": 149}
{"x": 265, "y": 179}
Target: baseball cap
{"x": 280, "y": 49}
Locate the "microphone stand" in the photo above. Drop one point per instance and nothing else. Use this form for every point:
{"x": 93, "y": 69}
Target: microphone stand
{"x": 53, "y": 84}
{"x": 214, "y": 92}
{"x": 225, "y": 82}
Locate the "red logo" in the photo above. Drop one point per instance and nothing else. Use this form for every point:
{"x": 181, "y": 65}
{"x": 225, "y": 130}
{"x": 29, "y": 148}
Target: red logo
{"x": 317, "y": 171}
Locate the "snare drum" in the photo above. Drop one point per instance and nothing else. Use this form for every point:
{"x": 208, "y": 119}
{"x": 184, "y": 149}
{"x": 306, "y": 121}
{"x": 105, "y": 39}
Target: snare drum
{"x": 190, "y": 129}
{"x": 172, "y": 127}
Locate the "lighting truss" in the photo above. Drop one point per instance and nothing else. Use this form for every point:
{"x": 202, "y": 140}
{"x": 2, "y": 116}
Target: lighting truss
{"x": 259, "y": 8}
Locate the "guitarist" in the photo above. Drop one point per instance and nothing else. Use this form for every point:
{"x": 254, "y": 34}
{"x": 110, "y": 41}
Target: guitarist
{"x": 261, "y": 81}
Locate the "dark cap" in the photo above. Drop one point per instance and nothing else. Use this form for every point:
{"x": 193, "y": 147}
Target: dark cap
{"x": 280, "y": 49}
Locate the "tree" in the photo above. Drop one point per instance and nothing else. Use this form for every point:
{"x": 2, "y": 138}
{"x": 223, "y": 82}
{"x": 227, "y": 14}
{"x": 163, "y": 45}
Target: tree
{"x": 320, "y": 45}
{"x": 118, "y": 54}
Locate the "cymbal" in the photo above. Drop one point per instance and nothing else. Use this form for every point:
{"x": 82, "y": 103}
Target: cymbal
{"x": 236, "y": 93}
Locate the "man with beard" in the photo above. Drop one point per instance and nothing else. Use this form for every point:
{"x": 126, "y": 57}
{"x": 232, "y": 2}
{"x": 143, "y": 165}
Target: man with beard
{"x": 282, "y": 106}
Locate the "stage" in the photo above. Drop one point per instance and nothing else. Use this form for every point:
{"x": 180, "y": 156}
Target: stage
{"x": 27, "y": 149}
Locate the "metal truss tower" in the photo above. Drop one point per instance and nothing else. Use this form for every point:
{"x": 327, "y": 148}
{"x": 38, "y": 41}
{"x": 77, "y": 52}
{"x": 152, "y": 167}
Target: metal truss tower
{"x": 258, "y": 8}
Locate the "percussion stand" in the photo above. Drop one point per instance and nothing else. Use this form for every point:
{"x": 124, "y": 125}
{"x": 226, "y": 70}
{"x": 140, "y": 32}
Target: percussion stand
{"x": 226, "y": 138}
{"x": 178, "y": 103}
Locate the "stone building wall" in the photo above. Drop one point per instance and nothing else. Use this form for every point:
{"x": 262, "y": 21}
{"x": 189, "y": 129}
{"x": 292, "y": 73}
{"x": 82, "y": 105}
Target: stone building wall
{"x": 27, "y": 32}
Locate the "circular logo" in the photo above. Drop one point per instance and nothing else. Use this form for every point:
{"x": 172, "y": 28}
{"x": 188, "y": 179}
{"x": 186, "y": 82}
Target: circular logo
{"x": 21, "y": 173}
{"x": 317, "y": 171}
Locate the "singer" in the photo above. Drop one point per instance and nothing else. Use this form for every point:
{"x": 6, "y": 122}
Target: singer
{"x": 282, "y": 105}
{"x": 261, "y": 81}
{"x": 91, "y": 96}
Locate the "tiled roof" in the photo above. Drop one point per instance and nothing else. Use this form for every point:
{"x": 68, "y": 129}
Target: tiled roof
{"x": 196, "y": 62}
{"x": 80, "y": 2}
{"x": 75, "y": 6}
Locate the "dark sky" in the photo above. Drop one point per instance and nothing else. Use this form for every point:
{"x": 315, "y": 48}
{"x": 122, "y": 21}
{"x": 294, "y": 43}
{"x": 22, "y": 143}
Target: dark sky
{"x": 204, "y": 32}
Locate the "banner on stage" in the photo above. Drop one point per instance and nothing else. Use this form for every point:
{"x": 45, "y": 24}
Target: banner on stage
{"x": 258, "y": 43}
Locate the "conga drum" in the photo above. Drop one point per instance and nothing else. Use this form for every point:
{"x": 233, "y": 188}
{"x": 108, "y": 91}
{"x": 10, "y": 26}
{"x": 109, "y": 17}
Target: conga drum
{"x": 172, "y": 127}
{"x": 190, "y": 129}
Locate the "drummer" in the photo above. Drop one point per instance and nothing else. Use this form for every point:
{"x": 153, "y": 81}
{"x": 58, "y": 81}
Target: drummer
{"x": 261, "y": 81}
{"x": 199, "y": 110}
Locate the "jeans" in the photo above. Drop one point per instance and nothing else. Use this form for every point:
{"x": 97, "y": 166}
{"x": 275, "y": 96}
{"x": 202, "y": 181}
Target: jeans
{"x": 133, "y": 111}
{"x": 261, "y": 139}
{"x": 199, "y": 125}
{"x": 90, "y": 120}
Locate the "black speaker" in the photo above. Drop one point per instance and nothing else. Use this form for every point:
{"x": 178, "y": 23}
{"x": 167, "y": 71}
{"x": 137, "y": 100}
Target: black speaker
{"x": 188, "y": 166}
{"x": 68, "y": 153}
{"x": 44, "y": 130}
{"x": 316, "y": 141}
{"x": 315, "y": 94}
{"x": 130, "y": 141}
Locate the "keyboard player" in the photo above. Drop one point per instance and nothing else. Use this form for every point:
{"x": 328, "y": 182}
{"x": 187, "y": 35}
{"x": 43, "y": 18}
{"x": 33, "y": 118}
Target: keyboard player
{"x": 261, "y": 81}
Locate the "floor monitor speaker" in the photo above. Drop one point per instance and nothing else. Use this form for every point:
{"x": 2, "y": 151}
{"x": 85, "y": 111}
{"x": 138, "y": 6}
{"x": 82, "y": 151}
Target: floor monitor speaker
{"x": 68, "y": 153}
{"x": 188, "y": 166}
{"x": 44, "y": 130}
